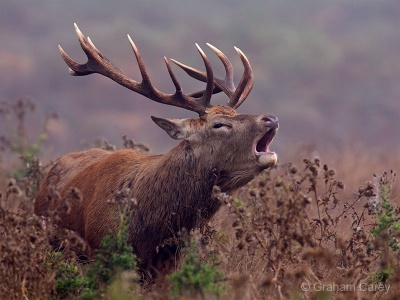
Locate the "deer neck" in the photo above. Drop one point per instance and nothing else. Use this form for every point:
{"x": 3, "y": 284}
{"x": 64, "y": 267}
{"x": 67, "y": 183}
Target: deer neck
{"x": 179, "y": 181}
{"x": 198, "y": 171}
{"x": 186, "y": 169}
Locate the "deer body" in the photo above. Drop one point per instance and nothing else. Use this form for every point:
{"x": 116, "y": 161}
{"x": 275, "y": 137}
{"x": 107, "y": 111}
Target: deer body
{"x": 172, "y": 191}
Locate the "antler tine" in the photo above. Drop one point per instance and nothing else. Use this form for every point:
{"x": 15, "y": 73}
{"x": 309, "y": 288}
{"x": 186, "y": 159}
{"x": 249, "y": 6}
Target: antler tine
{"x": 143, "y": 72}
{"x": 228, "y": 80}
{"x": 173, "y": 77}
{"x": 226, "y": 85}
{"x": 91, "y": 52}
{"x": 98, "y": 63}
{"x": 199, "y": 75}
{"x": 74, "y": 68}
{"x": 206, "y": 98}
{"x": 236, "y": 95}
{"x": 246, "y": 82}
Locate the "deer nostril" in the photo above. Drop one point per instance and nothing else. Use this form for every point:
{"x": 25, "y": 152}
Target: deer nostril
{"x": 270, "y": 121}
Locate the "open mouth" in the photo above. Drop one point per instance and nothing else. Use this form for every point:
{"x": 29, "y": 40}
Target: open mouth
{"x": 262, "y": 145}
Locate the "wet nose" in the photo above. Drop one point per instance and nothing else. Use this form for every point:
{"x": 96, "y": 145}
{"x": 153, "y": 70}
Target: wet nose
{"x": 270, "y": 121}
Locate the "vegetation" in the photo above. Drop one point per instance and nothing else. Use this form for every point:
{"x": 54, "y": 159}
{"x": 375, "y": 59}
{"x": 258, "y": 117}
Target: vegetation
{"x": 293, "y": 232}
{"x": 196, "y": 276}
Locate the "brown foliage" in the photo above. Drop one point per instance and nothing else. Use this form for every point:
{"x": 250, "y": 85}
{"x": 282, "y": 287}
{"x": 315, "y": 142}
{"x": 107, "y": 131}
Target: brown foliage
{"x": 293, "y": 233}
{"x": 28, "y": 265}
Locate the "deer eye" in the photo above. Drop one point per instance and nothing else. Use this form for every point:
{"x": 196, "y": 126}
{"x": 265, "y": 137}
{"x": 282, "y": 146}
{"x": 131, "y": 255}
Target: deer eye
{"x": 218, "y": 125}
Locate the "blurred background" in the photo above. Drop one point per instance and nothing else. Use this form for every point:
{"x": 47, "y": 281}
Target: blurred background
{"x": 330, "y": 70}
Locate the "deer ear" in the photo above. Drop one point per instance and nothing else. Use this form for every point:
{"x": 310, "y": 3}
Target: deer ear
{"x": 174, "y": 127}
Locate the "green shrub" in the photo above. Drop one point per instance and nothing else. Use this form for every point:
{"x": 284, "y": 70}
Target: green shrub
{"x": 386, "y": 214}
{"x": 113, "y": 256}
{"x": 386, "y": 230}
{"x": 196, "y": 277}
{"x": 69, "y": 282}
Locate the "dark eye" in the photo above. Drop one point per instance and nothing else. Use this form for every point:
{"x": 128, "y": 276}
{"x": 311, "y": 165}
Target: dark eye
{"x": 218, "y": 125}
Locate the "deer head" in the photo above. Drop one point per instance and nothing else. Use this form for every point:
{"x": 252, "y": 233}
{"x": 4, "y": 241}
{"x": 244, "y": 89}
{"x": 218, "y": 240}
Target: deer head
{"x": 236, "y": 144}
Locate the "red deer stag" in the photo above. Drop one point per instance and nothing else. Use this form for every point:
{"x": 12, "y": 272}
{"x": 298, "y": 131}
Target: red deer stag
{"x": 172, "y": 191}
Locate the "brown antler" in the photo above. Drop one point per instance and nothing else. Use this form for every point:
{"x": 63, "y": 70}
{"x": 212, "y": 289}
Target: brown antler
{"x": 98, "y": 63}
{"x": 236, "y": 95}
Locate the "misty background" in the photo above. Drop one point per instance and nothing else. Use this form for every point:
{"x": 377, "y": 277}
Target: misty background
{"x": 330, "y": 70}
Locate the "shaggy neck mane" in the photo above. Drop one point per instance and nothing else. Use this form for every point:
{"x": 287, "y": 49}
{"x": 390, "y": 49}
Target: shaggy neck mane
{"x": 160, "y": 216}
{"x": 188, "y": 178}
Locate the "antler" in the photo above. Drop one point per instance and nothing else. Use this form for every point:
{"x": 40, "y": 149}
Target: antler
{"x": 98, "y": 63}
{"x": 236, "y": 95}
{"x": 197, "y": 101}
